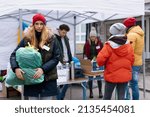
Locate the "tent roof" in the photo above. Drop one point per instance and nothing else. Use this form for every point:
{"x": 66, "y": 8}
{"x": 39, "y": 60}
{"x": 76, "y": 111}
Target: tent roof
{"x": 98, "y": 10}
{"x": 59, "y": 11}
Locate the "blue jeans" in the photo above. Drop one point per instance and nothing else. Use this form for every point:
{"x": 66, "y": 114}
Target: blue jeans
{"x": 134, "y": 84}
{"x": 62, "y": 92}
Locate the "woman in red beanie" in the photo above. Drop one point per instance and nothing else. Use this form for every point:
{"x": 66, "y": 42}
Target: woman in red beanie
{"x": 129, "y": 22}
{"x": 135, "y": 34}
{"x": 41, "y": 38}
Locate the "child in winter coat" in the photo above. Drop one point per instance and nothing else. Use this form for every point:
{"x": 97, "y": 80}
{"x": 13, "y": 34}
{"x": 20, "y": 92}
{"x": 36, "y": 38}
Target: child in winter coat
{"x": 117, "y": 56}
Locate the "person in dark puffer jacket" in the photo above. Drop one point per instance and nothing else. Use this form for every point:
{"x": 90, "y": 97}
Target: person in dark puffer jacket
{"x": 66, "y": 55}
{"x": 41, "y": 38}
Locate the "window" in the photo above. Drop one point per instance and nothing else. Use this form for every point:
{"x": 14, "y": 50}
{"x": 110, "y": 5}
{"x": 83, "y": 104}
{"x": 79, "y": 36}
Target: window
{"x": 77, "y": 38}
{"x": 83, "y": 38}
{"x": 83, "y": 28}
{"x": 80, "y": 33}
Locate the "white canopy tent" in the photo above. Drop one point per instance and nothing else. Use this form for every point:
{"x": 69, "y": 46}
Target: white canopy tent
{"x": 103, "y": 9}
{"x": 57, "y": 12}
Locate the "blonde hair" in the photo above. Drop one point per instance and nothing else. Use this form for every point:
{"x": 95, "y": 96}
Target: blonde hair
{"x": 30, "y": 36}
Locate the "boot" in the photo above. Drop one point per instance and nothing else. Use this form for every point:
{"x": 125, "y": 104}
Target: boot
{"x": 99, "y": 82}
{"x": 91, "y": 94}
{"x": 100, "y": 95}
{"x": 90, "y": 82}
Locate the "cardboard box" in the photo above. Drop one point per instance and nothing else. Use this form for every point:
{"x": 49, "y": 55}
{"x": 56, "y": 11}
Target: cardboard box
{"x": 86, "y": 65}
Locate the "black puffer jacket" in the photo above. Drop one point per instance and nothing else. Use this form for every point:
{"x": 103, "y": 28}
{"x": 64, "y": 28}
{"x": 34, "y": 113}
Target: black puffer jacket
{"x": 66, "y": 39}
{"x": 50, "y": 60}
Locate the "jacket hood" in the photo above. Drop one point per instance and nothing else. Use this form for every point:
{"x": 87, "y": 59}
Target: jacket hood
{"x": 119, "y": 39}
{"x": 119, "y": 49}
{"x": 137, "y": 29}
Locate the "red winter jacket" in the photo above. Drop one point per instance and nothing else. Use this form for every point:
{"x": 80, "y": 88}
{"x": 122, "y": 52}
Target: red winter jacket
{"x": 118, "y": 62}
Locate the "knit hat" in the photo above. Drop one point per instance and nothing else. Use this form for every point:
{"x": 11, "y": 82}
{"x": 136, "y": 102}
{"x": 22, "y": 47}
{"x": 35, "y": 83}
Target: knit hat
{"x": 38, "y": 17}
{"x": 93, "y": 32}
{"x": 128, "y": 22}
{"x": 117, "y": 29}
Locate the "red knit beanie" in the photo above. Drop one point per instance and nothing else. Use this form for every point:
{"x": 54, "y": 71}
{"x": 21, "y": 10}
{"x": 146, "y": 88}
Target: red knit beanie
{"x": 128, "y": 22}
{"x": 38, "y": 17}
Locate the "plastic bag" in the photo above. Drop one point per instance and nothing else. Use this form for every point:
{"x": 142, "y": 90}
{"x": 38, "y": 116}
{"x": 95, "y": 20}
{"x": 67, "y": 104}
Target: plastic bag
{"x": 63, "y": 72}
{"x": 28, "y": 60}
{"x": 28, "y": 57}
{"x": 28, "y": 75}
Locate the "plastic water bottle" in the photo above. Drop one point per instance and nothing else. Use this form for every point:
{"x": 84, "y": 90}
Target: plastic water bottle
{"x": 94, "y": 65}
{"x": 67, "y": 65}
{"x": 72, "y": 70}
{"x": 68, "y": 71}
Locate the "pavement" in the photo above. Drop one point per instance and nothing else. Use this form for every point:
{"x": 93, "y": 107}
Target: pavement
{"x": 75, "y": 91}
{"x": 144, "y": 86}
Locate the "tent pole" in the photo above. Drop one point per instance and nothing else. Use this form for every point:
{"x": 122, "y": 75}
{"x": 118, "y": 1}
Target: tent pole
{"x": 74, "y": 35}
{"x": 20, "y": 22}
{"x": 144, "y": 94}
{"x": 20, "y": 26}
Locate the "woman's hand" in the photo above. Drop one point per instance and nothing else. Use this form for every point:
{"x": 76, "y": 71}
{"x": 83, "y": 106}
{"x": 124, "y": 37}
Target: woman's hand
{"x": 38, "y": 73}
{"x": 19, "y": 73}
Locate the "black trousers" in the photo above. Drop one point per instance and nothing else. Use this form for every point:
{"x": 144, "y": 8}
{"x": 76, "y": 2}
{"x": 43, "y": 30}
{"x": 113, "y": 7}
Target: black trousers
{"x": 99, "y": 83}
{"x": 120, "y": 88}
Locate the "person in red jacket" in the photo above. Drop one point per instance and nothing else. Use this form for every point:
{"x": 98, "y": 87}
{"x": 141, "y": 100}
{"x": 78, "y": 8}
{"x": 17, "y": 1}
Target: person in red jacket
{"x": 118, "y": 57}
{"x": 91, "y": 48}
